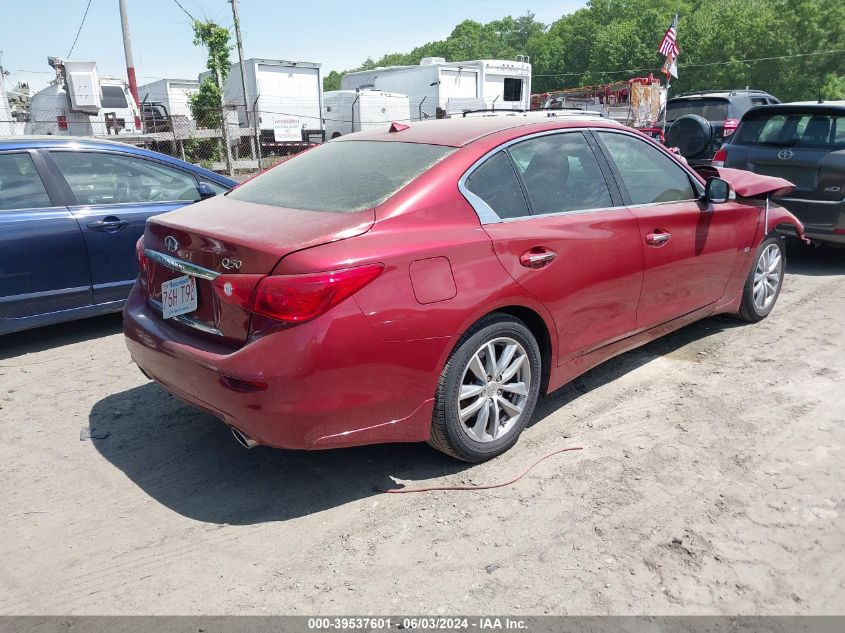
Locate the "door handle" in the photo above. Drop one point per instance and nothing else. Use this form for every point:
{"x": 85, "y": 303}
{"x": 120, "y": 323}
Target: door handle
{"x": 658, "y": 238}
{"x": 108, "y": 223}
{"x": 537, "y": 257}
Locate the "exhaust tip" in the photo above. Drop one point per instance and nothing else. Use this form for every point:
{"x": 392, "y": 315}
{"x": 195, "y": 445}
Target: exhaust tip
{"x": 242, "y": 439}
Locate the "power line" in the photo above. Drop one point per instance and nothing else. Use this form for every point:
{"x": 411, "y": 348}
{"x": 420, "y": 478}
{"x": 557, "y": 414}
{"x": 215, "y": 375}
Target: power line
{"x": 184, "y": 10}
{"x": 733, "y": 61}
{"x": 81, "y": 24}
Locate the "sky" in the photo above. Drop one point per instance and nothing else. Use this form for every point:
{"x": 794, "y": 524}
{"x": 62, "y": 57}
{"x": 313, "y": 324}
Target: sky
{"x": 338, "y": 34}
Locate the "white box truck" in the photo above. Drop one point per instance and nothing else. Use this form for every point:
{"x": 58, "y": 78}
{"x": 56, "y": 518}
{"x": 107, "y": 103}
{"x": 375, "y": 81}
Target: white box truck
{"x": 347, "y": 111}
{"x": 171, "y": 93}
{"x": 286, "y": 97}
{"x": 438, "y": 88}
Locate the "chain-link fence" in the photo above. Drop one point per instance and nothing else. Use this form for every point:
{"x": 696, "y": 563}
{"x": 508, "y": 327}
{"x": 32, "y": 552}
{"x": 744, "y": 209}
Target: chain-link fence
{"x": 240, "y": 140}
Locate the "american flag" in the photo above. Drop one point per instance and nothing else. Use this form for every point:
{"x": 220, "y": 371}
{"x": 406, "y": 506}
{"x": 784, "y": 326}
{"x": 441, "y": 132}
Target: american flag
{"x": 668, "y": 45}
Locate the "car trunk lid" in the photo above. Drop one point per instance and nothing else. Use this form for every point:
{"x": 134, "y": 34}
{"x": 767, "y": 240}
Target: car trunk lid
{"x": 226, "y": 236}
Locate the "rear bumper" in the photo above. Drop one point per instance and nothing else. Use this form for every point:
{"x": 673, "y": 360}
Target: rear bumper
{"x": 324, "y": 384}
{"x": 823, "y": 220}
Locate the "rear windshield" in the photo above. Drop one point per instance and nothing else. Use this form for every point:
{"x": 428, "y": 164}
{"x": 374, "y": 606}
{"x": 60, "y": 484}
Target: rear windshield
{"x": 342, "y": 175}
{"x": 710, "y": 109}
{"x": 114, "y": 97}
{"x": 824, "y": 131}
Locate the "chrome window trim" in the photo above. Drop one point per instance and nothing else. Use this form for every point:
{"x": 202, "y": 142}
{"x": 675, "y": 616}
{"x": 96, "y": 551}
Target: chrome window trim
{"x": 186, "y": 320}
{"x": 180, "y": 265}
{"x": 485, "y": 213}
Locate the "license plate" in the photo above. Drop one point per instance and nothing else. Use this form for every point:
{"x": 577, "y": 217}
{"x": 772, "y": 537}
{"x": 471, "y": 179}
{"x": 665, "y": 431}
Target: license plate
{"x": 178, "y": 296}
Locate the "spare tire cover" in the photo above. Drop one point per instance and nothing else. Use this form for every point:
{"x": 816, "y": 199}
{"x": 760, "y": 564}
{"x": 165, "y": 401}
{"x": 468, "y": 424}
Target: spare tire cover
{"x": 691, "y": 134}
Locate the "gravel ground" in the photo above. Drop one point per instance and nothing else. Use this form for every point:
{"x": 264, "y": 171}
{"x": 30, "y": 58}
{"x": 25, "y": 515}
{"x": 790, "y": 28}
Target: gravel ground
{"x": 711, "y": 482}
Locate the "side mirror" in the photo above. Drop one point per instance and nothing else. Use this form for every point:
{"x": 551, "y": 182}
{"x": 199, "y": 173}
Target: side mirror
{"x": 205, "y": 191}
{"x": 717, "y": 191}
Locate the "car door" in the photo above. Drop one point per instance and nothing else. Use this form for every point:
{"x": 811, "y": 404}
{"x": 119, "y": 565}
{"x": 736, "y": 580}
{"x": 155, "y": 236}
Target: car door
{"x": 113, "y": 195}
{"x": 43, "y": 260}
{"x": 690, "y": 247}
{"x": 561, "y": 232}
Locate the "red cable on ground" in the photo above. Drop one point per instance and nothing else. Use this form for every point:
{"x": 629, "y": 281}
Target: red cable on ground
{"x": 483, "y": 486}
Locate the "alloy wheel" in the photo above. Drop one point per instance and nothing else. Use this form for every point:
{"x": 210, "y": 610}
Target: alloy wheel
{"x": 494, "y": 389}
{"x": 767, "y": 277}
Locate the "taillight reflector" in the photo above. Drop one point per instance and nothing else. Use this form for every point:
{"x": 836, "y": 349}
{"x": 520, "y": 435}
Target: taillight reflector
{"x": 730, "y": 126}
{"x": 137, "y": 122}
{"x": 236, "y": 289}
{"x": 298, "y": 298}
{"x": 61, "y": 121}
{"x": 719, "y": 157}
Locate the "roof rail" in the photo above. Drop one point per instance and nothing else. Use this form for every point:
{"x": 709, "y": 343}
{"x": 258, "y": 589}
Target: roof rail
{"x": 730, "y": 91}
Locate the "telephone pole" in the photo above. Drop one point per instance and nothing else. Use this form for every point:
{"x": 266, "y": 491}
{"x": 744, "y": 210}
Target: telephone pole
{"x": 250, "y": 116}
{"x": 127, "y": 51}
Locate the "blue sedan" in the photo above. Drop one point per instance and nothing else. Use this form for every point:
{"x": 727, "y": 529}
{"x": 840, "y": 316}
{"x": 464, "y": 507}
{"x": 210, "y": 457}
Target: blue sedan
{"x": 71, "y": 211}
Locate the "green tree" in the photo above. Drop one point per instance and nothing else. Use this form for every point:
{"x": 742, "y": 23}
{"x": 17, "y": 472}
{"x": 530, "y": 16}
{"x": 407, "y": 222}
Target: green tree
{"x": 207, "y": 103}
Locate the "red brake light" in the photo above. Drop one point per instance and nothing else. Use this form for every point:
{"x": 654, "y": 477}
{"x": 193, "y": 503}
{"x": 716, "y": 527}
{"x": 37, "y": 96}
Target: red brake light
{"x": 719, "y": 158}
{"x": 61, "y": 120}
{"x": 730, "y": 127}
{"x": 137, "y": 122}
{"x": 298, "y": 298}
{"x": 139, "y": 253}
{"x": 236, "y": 289}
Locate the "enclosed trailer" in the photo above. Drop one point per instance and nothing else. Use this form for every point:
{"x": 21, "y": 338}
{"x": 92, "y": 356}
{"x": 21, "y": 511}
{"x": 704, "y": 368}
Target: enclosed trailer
{"x": 438, "y": 88}
{"x": 171, "y": 93}
{"x": 346, "y": 111}
{"x": 284, "y": 97}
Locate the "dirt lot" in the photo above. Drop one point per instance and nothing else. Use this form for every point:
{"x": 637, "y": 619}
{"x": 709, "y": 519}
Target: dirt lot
{"x": 712, "y": 480}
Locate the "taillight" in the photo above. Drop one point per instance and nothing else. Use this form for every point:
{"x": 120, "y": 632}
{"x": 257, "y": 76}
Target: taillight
{"x": 298, "y": 298}
{"x": 61, "y": 121}
{"x": 719, "y": 157}
{"x": 236, "y": 289}
{"x": 137, "y": 122}
{"x": 139, "y": 253}
{"x": 730, "y": 127}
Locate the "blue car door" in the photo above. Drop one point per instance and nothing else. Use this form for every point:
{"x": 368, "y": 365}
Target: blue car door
{"x": 43, "y": 260}
{"x": 113, "y": 194}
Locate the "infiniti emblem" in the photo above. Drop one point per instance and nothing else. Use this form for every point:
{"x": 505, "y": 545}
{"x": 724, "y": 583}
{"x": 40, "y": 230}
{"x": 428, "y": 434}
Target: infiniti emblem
{"x": 231, "y": 264}
{"x": 785, "y": 154}
{"x": 171, "y": 244}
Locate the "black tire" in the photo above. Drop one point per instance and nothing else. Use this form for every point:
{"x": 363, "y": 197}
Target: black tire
{"x": 749, "y": 311}
{"x": 691, "y": 134}
{"x": 447, "y": 431}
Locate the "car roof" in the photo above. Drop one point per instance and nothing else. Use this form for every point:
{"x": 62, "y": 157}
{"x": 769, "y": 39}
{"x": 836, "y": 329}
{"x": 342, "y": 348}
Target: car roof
{"x": 837, "y": 108}
{"x": 80, "y": 142}
{"x": 457, "y": 132}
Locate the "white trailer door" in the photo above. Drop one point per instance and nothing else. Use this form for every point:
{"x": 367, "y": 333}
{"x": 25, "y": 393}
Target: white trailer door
{"x": 289, "y": 92}
{"x": 458, "y": 84}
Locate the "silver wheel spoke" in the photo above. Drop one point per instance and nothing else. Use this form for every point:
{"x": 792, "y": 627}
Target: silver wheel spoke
{"x": 510, "y": 372}
{"x": 477, "y": 368}
{"x": 490, "y": 363}
{"x": 497, "y": 423}
{"x": 505, "y": 359}
{"x": 511, "y": 409}
{"x": 468, "y": 391}
{"x": 479, "y": 429}
{"x": 519, "y": 388}
{"x": 471, "y": 409}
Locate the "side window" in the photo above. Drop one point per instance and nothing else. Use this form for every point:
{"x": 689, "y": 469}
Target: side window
{"x": 561, "y": 173}
{"x": 20, "y": 184}
{"x": 648, "y": 174}
{"x": 113, "y": 179}
{"x": 496, "y": 184}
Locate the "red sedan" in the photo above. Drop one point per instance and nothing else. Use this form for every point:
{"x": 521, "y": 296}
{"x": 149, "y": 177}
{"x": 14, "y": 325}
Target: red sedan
{"x": 429, "y": 282}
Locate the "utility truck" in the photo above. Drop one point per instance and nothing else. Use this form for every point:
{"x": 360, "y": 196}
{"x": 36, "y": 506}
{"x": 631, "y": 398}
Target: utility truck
{"x": 346, "y": 111}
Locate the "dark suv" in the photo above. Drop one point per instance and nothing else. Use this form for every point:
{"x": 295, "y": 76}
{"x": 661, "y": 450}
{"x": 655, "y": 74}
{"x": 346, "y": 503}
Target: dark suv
{"x": 699, "y": 122}
{"x": 804, "y": 143}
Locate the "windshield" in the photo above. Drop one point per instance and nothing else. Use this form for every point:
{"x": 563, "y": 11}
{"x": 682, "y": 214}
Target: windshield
{"x": 799, "y": 129}
{"x": 710, "y": 109}
{"x": 113, "y": 97}
{"x": 342, "y": 176}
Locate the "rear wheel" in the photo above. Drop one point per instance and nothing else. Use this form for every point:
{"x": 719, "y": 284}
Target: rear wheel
{"x": 487, "y": 391}
{"x": 764, "y": 282}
